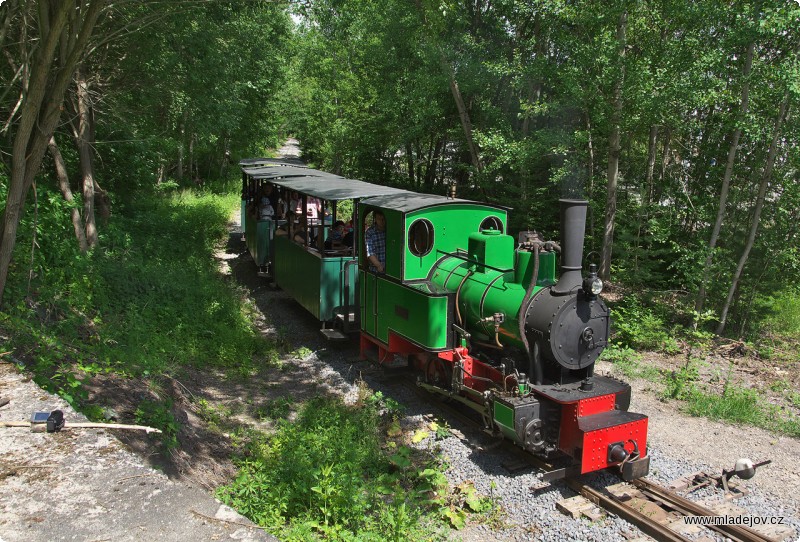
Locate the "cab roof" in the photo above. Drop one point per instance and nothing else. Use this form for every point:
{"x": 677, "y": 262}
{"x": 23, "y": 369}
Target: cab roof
{"x": 412, "y": 201}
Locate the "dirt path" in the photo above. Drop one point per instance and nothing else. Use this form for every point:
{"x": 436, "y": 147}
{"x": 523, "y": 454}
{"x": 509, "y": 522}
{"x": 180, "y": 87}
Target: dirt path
{"x": 88, "y": 485}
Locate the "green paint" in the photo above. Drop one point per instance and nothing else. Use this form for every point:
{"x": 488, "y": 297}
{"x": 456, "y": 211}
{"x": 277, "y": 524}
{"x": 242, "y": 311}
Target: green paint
{"x": 491, "y": 248}
{"x": 452, "y": 225}
{"x": 316, "y": 283}
{"x": 243, "y": 217}
{"x": 500, "y": 293}
{"x": 504, "y": 418}
{"x": 258, "y": 238}
{"x": 408, "y": 310}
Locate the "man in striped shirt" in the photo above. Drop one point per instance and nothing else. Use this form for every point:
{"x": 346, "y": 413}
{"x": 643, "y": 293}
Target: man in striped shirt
{"x": 376, "y": 243}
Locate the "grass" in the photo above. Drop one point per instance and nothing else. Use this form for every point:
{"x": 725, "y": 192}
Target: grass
{"x": 149, "y": 301}
{"x": 734, "y": 403}
{"x": 742, "y": 405}
{"x": 644, "y": 325}
{"x": 628, "y": 362}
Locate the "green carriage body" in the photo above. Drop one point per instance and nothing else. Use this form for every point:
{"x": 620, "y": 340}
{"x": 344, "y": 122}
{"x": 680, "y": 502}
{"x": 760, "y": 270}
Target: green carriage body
{"x": 316, "y": 281}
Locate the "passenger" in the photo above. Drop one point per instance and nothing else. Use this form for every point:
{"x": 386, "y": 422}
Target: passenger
{"x": 348, "y": 239}
{"x": 313, "y": 210}
{"x": 336, "y": 236}
{"x": 375, "y": 238}
{"x": 295, "y": 205}
{"x": 281, "y": 208}
{"x": 265, "y": 208}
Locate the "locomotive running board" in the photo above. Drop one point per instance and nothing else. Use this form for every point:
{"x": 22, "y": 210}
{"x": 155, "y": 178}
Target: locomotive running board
{"x": 463, "y": 400}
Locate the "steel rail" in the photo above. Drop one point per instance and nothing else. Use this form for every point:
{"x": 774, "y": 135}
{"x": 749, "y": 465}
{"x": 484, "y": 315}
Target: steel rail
{"x": 737, "y": 533}
{"x": 645, "y": 523}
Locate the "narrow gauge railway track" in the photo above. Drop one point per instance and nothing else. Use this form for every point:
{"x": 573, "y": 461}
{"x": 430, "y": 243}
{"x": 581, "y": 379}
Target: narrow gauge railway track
{"x": 664, "y": 498}
{"x": 667, "y": 500}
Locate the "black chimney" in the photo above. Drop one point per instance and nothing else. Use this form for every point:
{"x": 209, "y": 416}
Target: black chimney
{"x": 573, "y": 228}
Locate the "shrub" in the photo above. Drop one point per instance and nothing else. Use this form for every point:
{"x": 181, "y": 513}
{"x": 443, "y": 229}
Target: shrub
{"x": 325, "y": 476}
{"x": 639, "y": 327}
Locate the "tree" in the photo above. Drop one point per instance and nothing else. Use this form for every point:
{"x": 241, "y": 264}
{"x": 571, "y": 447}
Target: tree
{"x": 62, "y": 31}
{"x": 613, "y": 151}
{"x": 726, "y": 180}
{"x": 766, "y": 177}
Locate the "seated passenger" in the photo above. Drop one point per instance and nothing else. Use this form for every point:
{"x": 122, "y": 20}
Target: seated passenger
{"x": 265, "y": 209}
{"x": 335, "y": 236}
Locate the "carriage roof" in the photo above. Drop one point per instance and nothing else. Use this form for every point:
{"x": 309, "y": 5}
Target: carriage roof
{"x": 335, "y": 188}
{"x": 277, "y": 171}
{"x": 254, "y": 162}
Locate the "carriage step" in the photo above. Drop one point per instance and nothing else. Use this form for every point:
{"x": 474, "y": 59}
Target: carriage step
{"x": 334, "y": 335}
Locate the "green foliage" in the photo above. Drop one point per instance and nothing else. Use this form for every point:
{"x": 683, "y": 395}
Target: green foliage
{"x": 781, "y": 313}
{"x": 629, "y": 363}
{"x": 275, "y": 409}
{"x": 680, "y": 384}
{"x": 637, "y": 326}
{"x": 325, "y": 476}
{"x": 148, "y": 301}
{"x": 441, "y": 430}
{"x": 537, "y": 80}
{"x": 198, "y": 81}
{"x": 158, "y": 414}
{"x": 388, "y": 405}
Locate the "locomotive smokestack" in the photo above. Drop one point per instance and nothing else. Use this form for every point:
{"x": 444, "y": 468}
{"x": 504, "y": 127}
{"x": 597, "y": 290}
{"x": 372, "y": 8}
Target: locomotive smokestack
{"x": 573, "y": 228}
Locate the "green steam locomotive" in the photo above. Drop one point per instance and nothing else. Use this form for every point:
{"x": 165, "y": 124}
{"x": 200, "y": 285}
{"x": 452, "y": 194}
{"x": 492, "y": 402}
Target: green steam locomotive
{"x": 436, "y": 284}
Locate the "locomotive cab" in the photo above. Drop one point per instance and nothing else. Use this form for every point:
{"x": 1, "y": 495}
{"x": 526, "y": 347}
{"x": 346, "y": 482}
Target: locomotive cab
{"x": 405, "y": 312}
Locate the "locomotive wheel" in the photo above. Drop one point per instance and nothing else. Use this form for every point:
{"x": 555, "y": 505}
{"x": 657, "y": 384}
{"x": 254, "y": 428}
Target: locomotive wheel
{"x": 437, "y": 373}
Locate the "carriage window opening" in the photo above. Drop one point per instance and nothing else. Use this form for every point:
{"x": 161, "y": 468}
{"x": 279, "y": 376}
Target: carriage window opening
{"x": 420, "y": 237}
{"x": 492, "y": 223}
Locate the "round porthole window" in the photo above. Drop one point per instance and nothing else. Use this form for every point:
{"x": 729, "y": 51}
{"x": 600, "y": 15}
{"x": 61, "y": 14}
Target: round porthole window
{"x": 420, "y": 237}
{"x": 492, "y": 223}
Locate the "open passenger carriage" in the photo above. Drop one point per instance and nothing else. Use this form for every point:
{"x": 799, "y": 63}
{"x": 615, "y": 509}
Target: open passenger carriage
{"x": 322, "y": 279}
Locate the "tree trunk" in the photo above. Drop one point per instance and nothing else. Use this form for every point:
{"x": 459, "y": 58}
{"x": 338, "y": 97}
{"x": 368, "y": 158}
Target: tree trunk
{"x": 613, "y": 153}
{"x": 466, "y": 123}
{"x": 410, "y": 163}
{"x": 41, "y": 110}
{"x": 430, "y": 174}
{"x": 66, "y": 191}
{"x": 726, "y": 180}
{"x": 182, "y": 132}
{"x": 192, "y": 172}
{"x": 762, "y": 191}
{"x": 84, "y": 142}
{"x": 651, "y": 163}
{"x": 647, "y": 193}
